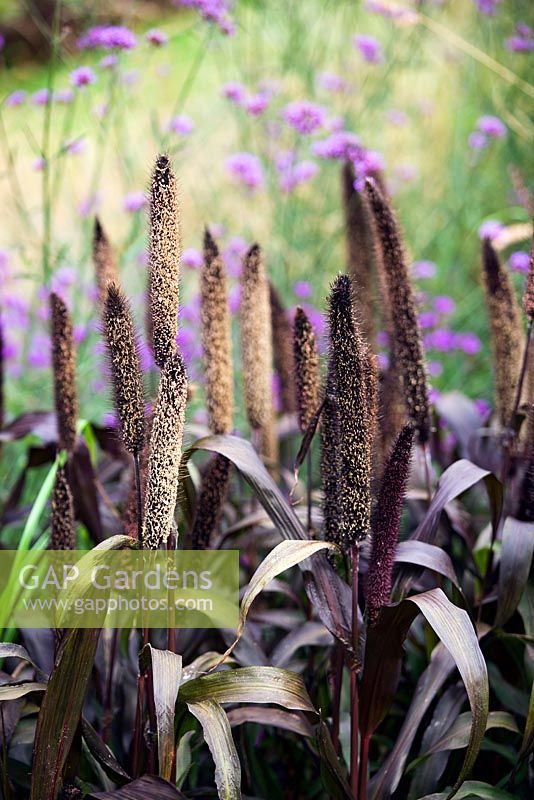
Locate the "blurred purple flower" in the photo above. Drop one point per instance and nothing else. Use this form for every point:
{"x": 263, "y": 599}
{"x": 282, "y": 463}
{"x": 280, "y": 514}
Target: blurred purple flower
{"x": 38, "y": 164}
{"x": 428, "y": 319}
{"x": 435, "y": 368}
{"x": 2, "y": 42}
{"x": 367, "y": 164}
{"x": 490, "y": 229}
{"x": 519, "y": 44}
{"x": 64, "y": 96}
{"x": 80, "y": 333}
{"x": 477, "y": 140}
{"x": 483, "y": 407}
{"x": 15, "y": 310}
{"x": 234, "y": 91}
{"x": 369, "y": 48}
{"x": 397, "y": 117}
{"x": 182, "y": 125}
{"x": 444, "y": 304}
{"x": 331, "y": 82}
{"x": 110, "y": 420}
{"x": 40, "y": 97}
{"x": 488, "y": 7}
{"x": 192, "y": 258}
{"x": 16, "y": 98}
{"x": 82, "y": 76}
{"x": 234, "y": 298}
{"x": 304, "y": 117}
{"x": 334, "y": 124}
{"x": 298, "y": 173}
{"x": 519, "y": 261}
{"x": 302, "y": 289}
{"x": 256, "y": 104}
{"x": 109, "y": 61}
{"x": 382, "y": 338}
{"x": 246, "y": 168}
{"x": 215, "y": 11}
{"x": 441, "y": 339}
{"x": 156, "y": 37}
{"x": 107, "y": 37}
{"x": 469, "y": 343}
{"x": 134, "y": 201}
{"x": 39, "y": 354}
{"x": 89, "y": 205}
{"x": 233, "y": 255}
{"x": 424, "y": 269}
{"x": 10, "y": 349}
{"x": 491, "y": 126}
{"x": 76, "y": 147}
{"x": 341, "y": 146}
{"x": 389, "y": 11}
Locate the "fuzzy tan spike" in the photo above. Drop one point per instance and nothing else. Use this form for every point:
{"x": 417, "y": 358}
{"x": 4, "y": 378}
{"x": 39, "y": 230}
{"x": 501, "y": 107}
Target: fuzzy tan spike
{"x": 386, "y": 522}
{"x": 216, "y": 339}
{"x": 359, "y": 245}
{"x": 409, "y": 351}
{"x": 165, "y": 253}
{"x": 283, "y": 351}
{"x": 125, "y": 368}
{"x": 106, "y": 271}
{"x": 210, "y": 502}
{"x": 63, "y": 536}
{"x": 165, "y": 453}
{"x": 307, "y": 372}
{"x": 256, "y": 346}
{"x": 506, "y": 331}
{"x": 64, "y": 367}
{"x": 349, "y": 367}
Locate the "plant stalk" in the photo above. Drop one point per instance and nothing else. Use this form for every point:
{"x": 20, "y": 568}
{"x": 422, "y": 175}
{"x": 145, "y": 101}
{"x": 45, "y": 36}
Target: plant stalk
{"x": 309, "y": 482}
{"x": 364, "y": 761}
{"x": 354, "y": 698}
{"x": 139, "y": 500}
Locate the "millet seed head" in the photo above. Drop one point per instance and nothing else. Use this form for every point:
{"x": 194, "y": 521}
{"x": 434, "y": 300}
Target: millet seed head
{"x": 64, "y": 368}
{"x": 282, "y": 351}
{"x": 105, "y": 265}
{"x": 63, "y": 535}
{"x": 307, "y": 370}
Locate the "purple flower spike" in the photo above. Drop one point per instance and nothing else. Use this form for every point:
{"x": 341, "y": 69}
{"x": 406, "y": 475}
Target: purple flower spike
{"x": 370, "y": 48}
{"x": 247, "y": 169}
{"x": 491, "y": 126}
{"x": 304, "y": 117}
{"x": 519, "y": 261}
{"x": 82, "y": 76}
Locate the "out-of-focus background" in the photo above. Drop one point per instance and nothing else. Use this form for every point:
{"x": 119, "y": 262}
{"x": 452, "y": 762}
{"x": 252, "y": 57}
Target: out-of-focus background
{"x": 259, "y": 102}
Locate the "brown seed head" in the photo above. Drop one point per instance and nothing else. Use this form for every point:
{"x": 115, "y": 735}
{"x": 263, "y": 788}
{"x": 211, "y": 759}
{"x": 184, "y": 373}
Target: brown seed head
{"x": 125, "y": 366}
{"x": 528, "y": 297}
{"x": 506, "y": 331}
{"x": 307, "y": 373}
{"x": 350, "y": 372}
{"x": 256, "y": 346}
{"x": 63, "y": 536}
{"x": 64, "y": 367}
{"x": 359, "y": 248}
{"x": 165, "y": 253}
{"x": 525, "y": 506}
{"x": 331, "y": 466}
{"x": 165, "y": 454}
{"x": 386, "y": 522}
{"x": 210, "y": 502}
{"x": 283, "y": 351}
{"x": 106, "y": 270}
{"x": 409, "y": 350}
{"x": 216, "y": 339}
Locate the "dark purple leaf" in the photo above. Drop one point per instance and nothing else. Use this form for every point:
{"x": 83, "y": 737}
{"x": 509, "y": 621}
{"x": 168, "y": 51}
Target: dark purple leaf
{"x": 516, "y": 559}
{"x": 37, "y": 423}
{"x": 149, "y": 787}
{"x": 277, "y": 717}
{"x": 427, "y": 555}
{"x": 82, "y": 479}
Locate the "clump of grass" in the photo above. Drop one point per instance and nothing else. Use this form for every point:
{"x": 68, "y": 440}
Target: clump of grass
{"x": 125, "y": 365}
{"x": 386, "y": 522}
{"x": 106, "y": 271}
{"x": 165, "y": 252}
{"x": 64, "y": 369}
{"x": 257, "y": 355}
{"x": 63, "y": 530}
{"x": 307, "y": 370}
{"x": 349, "y": 374}
{"x": 506, "y": 331}
{"x": 165, "y": 454}
{"x": 408, "y": 345}
{"x": 282, "y": 351}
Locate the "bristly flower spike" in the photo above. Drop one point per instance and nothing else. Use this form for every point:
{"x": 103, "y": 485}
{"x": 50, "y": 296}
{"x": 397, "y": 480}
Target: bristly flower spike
{"x": 165, "y": 253}
{"x": 166, "y": 437}
{"x": 64, "y": 367}
{"x": 125, "y": 367}
{"x": 331, "y": 466}
{"x": 216, "y": 339}
{"x": 386, "y": 523}
{"x": 307, "y": 374}
{"x": 282, "y": 351}
{"x": 106, "y": 271}
{"x": 409, "y": 352}
{"x": 63, "y": 535}
{"x": 349, "y": 365}
{"x": 528, "y": 297}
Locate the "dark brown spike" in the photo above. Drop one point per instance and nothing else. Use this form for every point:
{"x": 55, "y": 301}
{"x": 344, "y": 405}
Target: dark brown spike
{"x": 349, "y": 372}
{"x": 506, "y": 331}
{"x": 163, "y": 471}
{"x": 125, "y": 366}
{"x": 408, "y": 343}
{"x": 210, "y": 502}
{"x": 359, "y": 246}
{"x": 216, "y": 339}
{"x": 106, "y": 270}
{"x": 256, "y": 347}
{"x": 525, "y": 505}
{"x": 386, "y": 523}
{"x": 307, "y": 374}
{"x": 528, "y": 297}
{"x": 64, "y": 367}
{"x": 165, "y": 253}
{"x": 282, "y": 350}
{"x": 63, "y": 535}
{"x": 331, "y": 465}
